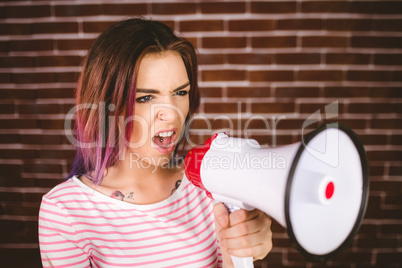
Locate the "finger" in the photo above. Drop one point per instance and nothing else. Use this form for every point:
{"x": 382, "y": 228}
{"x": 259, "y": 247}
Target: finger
{"x": 250, "y": 226}
{"x": 244, "y": 241}
{"x": 258, "y": 252}
{"x": 242, "y": 229}
{"x": 242, "y": 215}
{"x": 221, "y": 215}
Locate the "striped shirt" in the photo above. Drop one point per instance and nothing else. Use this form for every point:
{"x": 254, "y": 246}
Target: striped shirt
{"x": 80, "y": 227}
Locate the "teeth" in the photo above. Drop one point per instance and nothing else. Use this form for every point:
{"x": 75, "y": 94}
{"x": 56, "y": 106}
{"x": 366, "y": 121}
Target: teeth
{"x": 165, "y": 134}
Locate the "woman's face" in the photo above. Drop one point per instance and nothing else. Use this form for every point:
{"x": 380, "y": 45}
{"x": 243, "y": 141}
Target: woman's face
{"x": 162, "y": 105}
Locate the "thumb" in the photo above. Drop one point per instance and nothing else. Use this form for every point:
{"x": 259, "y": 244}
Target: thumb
{"x": 221, "y": 216}
{"x": 222, "y": 221}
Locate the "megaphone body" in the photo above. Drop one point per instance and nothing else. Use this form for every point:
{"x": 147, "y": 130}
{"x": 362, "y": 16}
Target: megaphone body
{"x": 317, "y": 189}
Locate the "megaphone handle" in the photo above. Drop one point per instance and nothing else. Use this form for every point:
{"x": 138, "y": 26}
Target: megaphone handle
{"x": 237, "y": 261}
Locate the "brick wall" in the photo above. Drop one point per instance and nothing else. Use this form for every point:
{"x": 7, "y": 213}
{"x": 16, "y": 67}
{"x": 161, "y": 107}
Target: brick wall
{"x": 279, "y": 60}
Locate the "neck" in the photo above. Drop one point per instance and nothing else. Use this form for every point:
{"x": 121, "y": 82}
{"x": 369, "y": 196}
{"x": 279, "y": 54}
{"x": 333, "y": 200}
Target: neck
{"x": 148, "y": 183}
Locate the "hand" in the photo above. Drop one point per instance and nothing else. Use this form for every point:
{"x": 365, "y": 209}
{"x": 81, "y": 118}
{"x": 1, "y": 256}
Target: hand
{"x": 242, "y": 233}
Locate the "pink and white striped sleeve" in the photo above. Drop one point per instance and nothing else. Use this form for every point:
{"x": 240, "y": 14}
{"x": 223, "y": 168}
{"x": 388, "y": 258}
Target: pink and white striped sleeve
{"x": 59, "y": 246}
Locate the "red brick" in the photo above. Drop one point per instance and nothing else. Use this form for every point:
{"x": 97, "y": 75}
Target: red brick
{"x": 223, "y": 42}
{"x": 10, "y": 61}
{"x": 42, "y": 168}
{"x": 10, "y": 171}
{"x": 297, "y": 58}
{"x": 38, "y": 108}
{"x": 222, "y": 7}
{"x": 27, "y": 11}
{"x": 384, "y": 155}
{"x": 393, "y": 25}
{"x": 290, "y": 123}
{"x": 211, "y": 92}
{"x": 223, "y": 75}
{"x": 376, "y": 41}
{"x": 324, "y": 6}
{"x": 5, "y": 77}
{"x": 296, "y": 92}
{"x": 367, "y": 108}
{"x": 346, "y": 92}
{"x": 73, "y": 44}
{"x": 374, "y": 170}
{"x": 41, "y": 139}
{"x": 251, "y": 25}
{"x": 51, "y": 123}
{"x": 386, "y": 123}
{"x": 274, "y": 107}
{"x": 353, "y": 123}
{"x": 396, "y": 139}
{"x": 28, "y": 78}
{"x": 386, "y": 92}
{"x": 96, "y": 26}
{"x": 347, "y": 58}
{"x": 248, "y": 92}
{"x": 388, "y": 59}
{"x": 300, "y": 24}
{"x": 19, "y": 154}
{"x": 30, "y": 45}
{"x": 55, "y": 27}
{"x": 320, "y": 75}
{"x": 395, "y": 171}
{"x": 250, "y": 58}
{"x": 67, "y": 77}
{"x": 15, "y": 29}
{"x": 4, "y": 46}
{"x": 271, "y": 75}
{"x": 381, "y": 7}
{"x": 173, "y": 8}
{"x": 124, "y": 9}
{"x": 273, "y": 7}
{"x": 369, "y": 75}
{"x": 224, "y": 108}
{"x": 324, "y": 41}
{"x": 274, "y": 42}
{"x": 9, "y": 138}
{"x": 368, "y": 139}
{"x": 211, "y": 59}
{"x": 311, "y": 108}
{"x": 11, "y": 94}
{"x": 45, "y": 61}
{"x": 57, "y": 154}
{"x": 348, "y": 24}
{"x": 77, "y": 10}
{"x": 56, "y": 93}
{"x": 6, "y": 108}
{"x": 201, "y": 25}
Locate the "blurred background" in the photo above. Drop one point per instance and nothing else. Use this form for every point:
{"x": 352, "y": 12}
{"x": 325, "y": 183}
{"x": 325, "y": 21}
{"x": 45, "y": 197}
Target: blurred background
{"x": 265, "y": 67}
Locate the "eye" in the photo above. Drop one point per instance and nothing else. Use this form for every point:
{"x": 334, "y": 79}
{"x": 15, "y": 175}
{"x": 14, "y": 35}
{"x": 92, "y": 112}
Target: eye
{"x": 144, "y": 99}
{"x": 181, "y": 93}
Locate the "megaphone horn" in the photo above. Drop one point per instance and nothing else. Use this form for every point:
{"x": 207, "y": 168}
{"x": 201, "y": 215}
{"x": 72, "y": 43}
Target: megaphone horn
{"x": 317, "y": 188}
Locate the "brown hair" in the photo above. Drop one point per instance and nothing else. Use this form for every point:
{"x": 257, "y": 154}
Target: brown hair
{"x": 108, "y": 80}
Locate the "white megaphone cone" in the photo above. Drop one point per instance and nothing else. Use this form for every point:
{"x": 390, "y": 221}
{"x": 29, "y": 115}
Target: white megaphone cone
{"x": 317, "y": 189}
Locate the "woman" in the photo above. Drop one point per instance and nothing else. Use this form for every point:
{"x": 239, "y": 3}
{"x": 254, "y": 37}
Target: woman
{"x": 127, "y": 202}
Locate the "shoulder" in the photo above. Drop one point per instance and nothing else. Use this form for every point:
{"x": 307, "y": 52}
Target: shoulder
{"x": 66, "y": 188}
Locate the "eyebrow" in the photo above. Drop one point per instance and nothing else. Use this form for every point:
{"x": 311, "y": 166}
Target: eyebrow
{"x": 155, "y": 91}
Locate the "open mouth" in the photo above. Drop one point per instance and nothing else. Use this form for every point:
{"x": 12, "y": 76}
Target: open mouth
{"x": 164, "y": 139}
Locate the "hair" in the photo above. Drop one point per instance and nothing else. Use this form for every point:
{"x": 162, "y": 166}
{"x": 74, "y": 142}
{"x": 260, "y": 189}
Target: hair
{"x": 107, "y": 84}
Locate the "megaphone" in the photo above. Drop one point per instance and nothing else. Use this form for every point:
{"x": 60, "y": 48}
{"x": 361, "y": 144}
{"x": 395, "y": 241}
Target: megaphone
{"x": 317, "y": 188}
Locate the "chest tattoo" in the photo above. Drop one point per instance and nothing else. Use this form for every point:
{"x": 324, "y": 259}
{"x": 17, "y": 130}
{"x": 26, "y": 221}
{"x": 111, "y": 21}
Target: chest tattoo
{"x": 176, "y": 186}
{"x": 120, "y": 196}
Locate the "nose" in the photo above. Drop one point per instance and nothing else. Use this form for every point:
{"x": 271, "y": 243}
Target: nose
{"x": 166, "y": 112}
